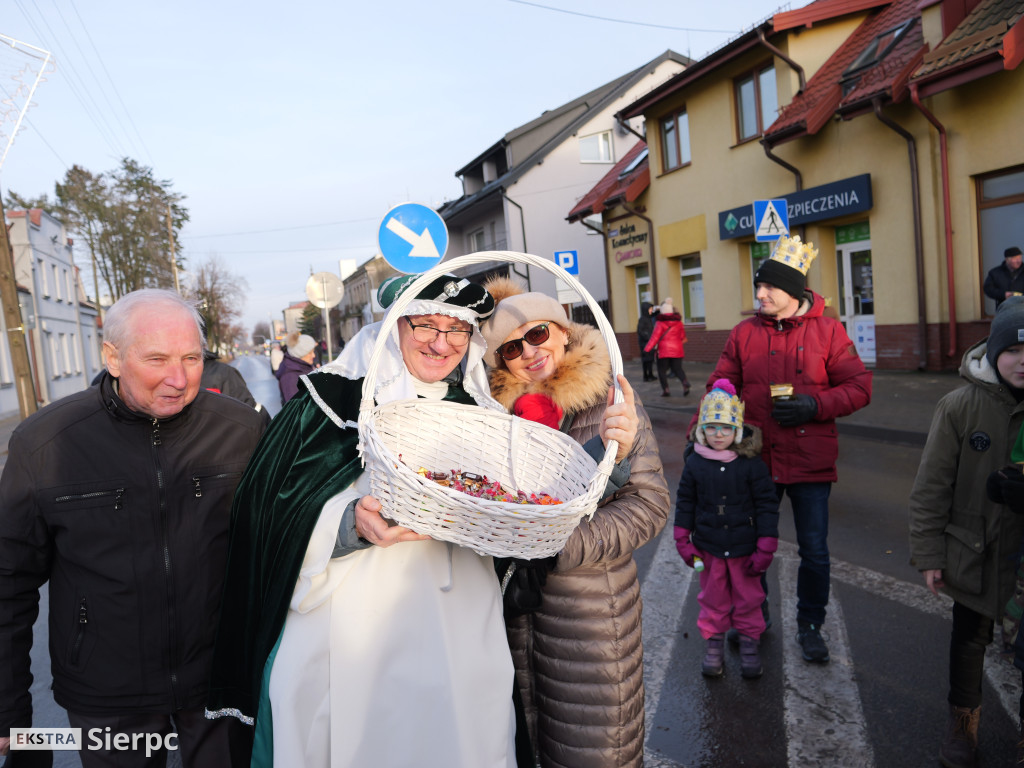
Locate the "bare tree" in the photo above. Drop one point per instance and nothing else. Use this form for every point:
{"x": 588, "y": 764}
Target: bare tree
{"x": 221, "y": 297}
{"x": 261, "y": 331}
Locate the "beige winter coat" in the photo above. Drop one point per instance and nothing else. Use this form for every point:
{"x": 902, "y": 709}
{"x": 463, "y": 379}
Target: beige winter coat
{"x": 579, "y": 658}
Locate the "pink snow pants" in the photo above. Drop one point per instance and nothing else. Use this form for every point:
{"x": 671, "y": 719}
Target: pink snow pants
{"x": 729, "y": 598}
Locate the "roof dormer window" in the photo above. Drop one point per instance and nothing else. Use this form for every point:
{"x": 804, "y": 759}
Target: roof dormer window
{"x": 880, "y": 47}
{"x": 633, "y": 164}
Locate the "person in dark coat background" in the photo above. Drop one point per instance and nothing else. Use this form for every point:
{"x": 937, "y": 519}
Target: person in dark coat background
{"x": 644, "y": 329}
{"x": 299, "y": 354}
{"x": 220, "y": 377}
{"x": 1006, "y": 279}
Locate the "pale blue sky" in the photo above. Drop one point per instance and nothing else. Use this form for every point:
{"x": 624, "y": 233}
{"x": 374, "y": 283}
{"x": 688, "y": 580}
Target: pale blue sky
{"x": 314, "y": 118}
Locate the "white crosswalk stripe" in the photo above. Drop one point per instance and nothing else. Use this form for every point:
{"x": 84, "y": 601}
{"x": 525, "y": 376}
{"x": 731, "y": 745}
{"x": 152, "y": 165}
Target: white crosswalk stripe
{"x": 664, "y": 593}
{"x": 825, "y": 723}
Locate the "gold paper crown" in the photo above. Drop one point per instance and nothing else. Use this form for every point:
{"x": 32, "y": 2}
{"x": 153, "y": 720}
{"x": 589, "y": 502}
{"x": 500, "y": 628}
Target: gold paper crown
{"x": 719, "y": 407}
{"x": 791, "y": 252}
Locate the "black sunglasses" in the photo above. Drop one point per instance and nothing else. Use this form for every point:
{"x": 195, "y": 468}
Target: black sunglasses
{"x": 536, "y": 336}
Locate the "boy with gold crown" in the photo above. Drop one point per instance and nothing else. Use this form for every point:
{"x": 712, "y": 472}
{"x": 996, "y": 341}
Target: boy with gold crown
{"x": 797, "y": 372}
{"x": 727, "y": 515}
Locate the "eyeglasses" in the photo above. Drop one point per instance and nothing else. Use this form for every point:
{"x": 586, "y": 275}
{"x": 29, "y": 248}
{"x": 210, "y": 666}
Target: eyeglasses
{"x": 427, "y": 334}
{"x": 536, "y": 336}
{"x": 717, "y": 429}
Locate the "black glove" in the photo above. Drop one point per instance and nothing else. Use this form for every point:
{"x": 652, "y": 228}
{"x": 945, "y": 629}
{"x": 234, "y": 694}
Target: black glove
{"x": 1006, "y": 486}
{"x": 523, "y": 592}
{"x": 799, "y": 409}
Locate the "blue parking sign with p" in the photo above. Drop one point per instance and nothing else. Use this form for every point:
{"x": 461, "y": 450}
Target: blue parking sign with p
{"x": 567, "y": 260}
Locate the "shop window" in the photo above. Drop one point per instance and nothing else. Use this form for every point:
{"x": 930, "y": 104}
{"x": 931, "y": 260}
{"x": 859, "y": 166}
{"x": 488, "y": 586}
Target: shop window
{"x": 596, "y": 148}
{"x": 675, "y": 141}
{"x": 692, "y": 279}
{"x": 1000, "y": 211}
{"x": 757, "y": 102}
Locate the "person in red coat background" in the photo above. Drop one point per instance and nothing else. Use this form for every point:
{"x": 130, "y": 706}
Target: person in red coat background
{"x": 669, "y": 336}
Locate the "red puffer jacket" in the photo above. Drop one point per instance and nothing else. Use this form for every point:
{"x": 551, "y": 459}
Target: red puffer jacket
{"x": 813, "y": 353}
{"x": 669, "y": 336}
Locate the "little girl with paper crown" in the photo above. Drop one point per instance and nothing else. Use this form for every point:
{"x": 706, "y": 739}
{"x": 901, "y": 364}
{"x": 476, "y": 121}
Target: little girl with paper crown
{"x": 727, "y": 520}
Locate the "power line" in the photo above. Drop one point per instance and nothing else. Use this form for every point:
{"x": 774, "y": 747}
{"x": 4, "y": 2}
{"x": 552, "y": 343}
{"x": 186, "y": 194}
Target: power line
{"x": 112, "y": 83}
{"x": 296, "y": 250}
{"x": 622, "y": 21}
{"x": 73, "y": 80}
{"x": 88, "y": 66}
{"x": 281, "y": 229}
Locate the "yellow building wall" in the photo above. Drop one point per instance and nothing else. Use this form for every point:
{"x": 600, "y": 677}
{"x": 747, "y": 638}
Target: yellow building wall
{"x": 983, "y": 124}
{"x": 811, "y": 48}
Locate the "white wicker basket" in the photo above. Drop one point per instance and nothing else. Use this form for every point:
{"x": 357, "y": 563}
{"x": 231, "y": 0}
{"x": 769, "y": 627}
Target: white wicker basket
{"x": 398, "y": 438}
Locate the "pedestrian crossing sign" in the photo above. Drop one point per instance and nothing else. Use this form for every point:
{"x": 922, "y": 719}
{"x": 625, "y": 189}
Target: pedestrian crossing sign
{"x": 772, "y": 220}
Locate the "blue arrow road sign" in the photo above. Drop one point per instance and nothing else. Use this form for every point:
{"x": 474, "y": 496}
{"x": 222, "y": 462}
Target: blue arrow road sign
{"x": 771, "y": 220}
{"x": 567, "y": 260}
{"x": 412, "y": 237}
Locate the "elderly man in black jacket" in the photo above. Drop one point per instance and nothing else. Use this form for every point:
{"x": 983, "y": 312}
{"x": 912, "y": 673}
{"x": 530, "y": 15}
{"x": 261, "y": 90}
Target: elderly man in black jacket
{"x": 119, "y": 497}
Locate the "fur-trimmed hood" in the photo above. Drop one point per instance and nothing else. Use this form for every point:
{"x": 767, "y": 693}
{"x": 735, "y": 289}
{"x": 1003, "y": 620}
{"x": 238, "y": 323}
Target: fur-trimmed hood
{"x": 582, "y": 378}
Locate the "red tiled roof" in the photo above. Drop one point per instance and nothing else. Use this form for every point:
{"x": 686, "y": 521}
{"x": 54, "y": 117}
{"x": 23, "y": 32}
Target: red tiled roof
{"x": 614, "y": 187}
{"x": 822, "y": 10}
{"x": 889, "y": 77}
{"x": 994, "y": 27}
{"x": 823, "y": 95}
{"x": 35, "y": 215}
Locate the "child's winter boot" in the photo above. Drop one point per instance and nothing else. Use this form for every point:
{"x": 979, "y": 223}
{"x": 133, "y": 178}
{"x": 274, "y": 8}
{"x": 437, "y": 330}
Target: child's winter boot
{"x": 714, "y": 657}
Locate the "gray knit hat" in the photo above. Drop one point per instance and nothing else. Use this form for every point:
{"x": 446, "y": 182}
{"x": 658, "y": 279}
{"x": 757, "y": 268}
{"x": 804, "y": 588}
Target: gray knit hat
{"x": 517, "y": 310}
{"x": 1007, "y": 328}
{"x": 302, "y": 346}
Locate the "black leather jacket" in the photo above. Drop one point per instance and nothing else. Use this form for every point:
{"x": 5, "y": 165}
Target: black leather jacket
{"x": 126, "y": 516}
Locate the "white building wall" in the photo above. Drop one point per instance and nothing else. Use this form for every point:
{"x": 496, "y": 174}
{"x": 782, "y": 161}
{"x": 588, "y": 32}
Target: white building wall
{"x": 548, "y": 191}
{"x": 59, "y": 328}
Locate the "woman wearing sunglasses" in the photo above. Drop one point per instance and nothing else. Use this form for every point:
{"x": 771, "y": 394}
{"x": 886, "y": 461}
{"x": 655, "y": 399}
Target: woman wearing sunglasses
{"x": 585, "y": 703}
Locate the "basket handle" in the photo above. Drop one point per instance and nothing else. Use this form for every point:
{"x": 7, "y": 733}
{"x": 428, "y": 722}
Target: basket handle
{"x": 482, "y": 257}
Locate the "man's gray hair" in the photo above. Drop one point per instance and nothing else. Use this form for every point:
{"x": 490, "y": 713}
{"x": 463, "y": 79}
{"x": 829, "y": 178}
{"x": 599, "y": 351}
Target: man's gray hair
{"x": 117, "y": 321}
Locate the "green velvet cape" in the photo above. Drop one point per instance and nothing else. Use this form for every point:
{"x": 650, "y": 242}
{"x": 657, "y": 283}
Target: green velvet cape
{"x": 303, "y": 460}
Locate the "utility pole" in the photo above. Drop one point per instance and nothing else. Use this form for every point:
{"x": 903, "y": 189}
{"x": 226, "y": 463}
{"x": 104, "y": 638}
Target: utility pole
{"x": 174, "y": 260}
{"x": 16, "y": 337}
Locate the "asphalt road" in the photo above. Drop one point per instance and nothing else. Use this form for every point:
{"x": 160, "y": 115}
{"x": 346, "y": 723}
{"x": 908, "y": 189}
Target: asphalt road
{"x": 880, "y": 703}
